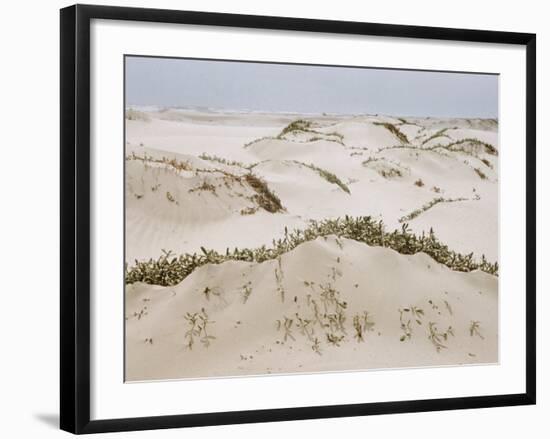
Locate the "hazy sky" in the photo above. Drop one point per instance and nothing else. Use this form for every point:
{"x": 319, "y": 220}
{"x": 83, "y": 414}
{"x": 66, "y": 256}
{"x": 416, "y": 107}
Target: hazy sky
{"x": 226, "y": 85}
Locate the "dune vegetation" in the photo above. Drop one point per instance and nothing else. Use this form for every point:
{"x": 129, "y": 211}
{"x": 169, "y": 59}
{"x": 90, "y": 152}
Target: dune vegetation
{"x": 170, "y": 269}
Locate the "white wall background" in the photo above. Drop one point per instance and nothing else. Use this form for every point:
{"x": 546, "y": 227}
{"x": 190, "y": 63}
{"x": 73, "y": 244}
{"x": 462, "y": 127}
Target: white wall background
{"x": 29, "y": 203}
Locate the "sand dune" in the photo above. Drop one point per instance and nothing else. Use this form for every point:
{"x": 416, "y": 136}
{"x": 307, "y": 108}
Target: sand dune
{"x": 244, "y": 303}
{"x": 201, "y": 181}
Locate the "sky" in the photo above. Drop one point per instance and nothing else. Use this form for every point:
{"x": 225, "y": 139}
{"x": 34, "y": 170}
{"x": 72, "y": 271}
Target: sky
{"x": 238, "y": 86}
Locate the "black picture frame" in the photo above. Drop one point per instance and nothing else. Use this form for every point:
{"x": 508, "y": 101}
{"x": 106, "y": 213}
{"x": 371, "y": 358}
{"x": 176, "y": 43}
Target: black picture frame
{"x": 75, "y": 217}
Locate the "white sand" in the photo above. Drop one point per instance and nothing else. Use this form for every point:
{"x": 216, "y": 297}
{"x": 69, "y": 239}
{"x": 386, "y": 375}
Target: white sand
{"x": 377, "y": 280}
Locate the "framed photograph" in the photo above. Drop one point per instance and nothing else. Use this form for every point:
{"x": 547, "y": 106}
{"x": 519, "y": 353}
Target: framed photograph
{"x": 273, "y": 218}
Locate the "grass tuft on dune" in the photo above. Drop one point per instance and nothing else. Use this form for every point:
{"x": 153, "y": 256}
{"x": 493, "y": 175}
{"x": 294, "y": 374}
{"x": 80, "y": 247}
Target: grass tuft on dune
{"x": 221, "y": 160}
{"x": 265, "y": 198}
{"x": 395, "y": 131}
{"x": 428, "y": 206}
{"x": 177, "y": 165}
{"x": 328, "y": 176}
{"x": 297, "y": 125}
{"x": 306, "y": 126}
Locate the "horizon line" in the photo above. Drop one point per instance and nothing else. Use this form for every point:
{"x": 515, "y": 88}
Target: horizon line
{"x": 198, "y": 108}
